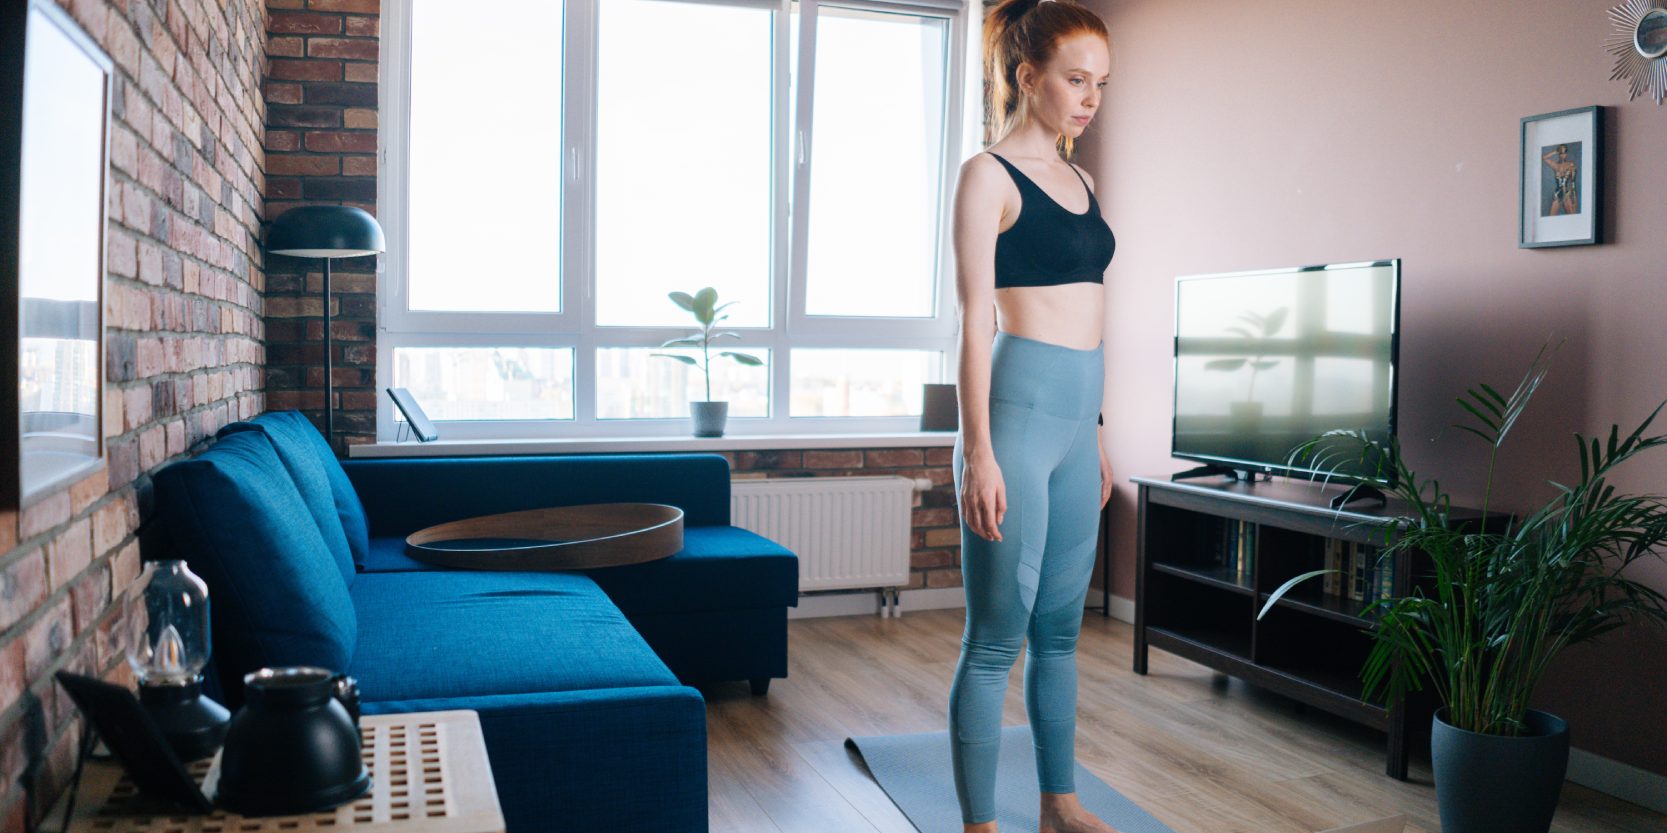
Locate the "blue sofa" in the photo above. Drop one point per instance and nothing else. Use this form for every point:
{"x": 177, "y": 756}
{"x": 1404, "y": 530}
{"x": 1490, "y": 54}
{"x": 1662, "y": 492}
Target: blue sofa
{"x": 581, "y": 679}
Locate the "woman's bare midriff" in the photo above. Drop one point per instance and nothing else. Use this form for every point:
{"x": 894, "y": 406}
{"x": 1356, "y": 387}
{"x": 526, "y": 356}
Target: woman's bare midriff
{"x": 1068, "y": 314}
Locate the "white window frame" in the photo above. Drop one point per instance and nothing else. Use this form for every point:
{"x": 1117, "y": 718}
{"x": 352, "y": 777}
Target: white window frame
{"x": 574, "y": 325}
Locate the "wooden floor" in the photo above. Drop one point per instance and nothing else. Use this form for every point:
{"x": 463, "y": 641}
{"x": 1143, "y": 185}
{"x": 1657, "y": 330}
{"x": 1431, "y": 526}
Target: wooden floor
{"x": 1200, "y": 751}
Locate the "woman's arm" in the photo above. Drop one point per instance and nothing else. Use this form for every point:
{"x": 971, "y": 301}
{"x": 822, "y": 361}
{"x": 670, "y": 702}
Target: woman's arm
{"x": 977, "y": 220}
{"x": 1107, "y": 479}
{"x": 978, "y": 208}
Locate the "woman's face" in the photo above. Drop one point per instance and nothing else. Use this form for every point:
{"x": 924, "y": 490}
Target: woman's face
{"x": 1065, "y": 95}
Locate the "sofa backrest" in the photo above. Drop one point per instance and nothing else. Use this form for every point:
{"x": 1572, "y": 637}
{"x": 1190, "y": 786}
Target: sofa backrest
{"x": 323, "y": 485}
{"x": 402, "y": 496}
{"x": 276, "y": 594}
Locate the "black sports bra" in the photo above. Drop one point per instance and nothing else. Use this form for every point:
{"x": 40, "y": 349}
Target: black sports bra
{"x": 1048, "y": 245}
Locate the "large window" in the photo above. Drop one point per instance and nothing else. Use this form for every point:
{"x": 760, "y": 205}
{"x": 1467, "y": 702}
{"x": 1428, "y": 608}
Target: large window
{"x": 553, "y": 170}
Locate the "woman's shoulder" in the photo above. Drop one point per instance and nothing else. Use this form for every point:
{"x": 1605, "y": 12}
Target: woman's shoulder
{"x": 982, "y": 170}
{"x": 984, "y": 159}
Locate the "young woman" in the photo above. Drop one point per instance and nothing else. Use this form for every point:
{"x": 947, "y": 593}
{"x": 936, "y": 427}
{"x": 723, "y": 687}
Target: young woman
{"x": 1031, "y": 251}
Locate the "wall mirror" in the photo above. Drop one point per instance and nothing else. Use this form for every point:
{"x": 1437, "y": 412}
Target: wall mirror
{"x": 1639, "y": 44}
{"x": 56, "y": 165}
{"x": 1650, "y": 36}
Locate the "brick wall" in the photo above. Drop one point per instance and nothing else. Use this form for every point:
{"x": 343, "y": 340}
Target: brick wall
{"x": 183, "y": 353}
{"x": 321, "y": 148}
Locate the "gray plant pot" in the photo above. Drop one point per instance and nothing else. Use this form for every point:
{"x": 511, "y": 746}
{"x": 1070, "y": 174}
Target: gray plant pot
{"x": 1494, "y": 784}
{"x": 709, "y": 418}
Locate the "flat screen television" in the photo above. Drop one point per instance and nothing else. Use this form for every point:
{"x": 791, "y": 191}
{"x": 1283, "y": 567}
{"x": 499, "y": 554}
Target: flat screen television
{"x": 1269, "y": 359}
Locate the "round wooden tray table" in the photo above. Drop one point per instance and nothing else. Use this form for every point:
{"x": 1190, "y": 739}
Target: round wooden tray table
{"x": 559, "y": 538}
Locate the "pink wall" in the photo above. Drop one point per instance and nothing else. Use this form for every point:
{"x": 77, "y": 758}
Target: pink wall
{"x": 1254, "y": 135}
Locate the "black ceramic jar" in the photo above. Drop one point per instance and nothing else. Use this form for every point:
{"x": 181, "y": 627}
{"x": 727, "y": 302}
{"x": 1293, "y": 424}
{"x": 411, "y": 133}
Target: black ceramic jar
{"x": 292, "y": 747}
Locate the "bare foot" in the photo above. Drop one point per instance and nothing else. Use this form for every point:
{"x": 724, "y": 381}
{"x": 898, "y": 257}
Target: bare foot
{"x": 1084, "y": 822}
{"x": 1063, "y": 813}
{"x": 981, "y": 827}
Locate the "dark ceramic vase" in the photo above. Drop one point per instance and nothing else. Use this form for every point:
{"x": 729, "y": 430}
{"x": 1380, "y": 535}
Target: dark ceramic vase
{"x": 292, "y": 748}
{"x": 1495, "y": 784}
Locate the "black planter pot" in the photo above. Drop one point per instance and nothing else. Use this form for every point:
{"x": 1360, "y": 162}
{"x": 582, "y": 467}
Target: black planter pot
{"x": 1494, "y": 784}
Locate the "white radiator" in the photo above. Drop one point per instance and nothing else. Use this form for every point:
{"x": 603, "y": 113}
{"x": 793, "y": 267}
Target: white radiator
{"x": 847, "y": 531}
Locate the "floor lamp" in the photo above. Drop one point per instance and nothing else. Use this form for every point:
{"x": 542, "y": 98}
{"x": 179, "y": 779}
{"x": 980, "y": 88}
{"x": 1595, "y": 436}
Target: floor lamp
{"x": 326, "y": 231}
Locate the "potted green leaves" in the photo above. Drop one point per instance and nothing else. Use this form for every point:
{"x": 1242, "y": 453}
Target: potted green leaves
{"x": 1505, "y": 598}
{"x": 709, "y": 416}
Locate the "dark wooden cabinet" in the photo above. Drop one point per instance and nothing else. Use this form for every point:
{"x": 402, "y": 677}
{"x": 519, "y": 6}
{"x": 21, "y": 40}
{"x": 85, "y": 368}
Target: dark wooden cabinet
{"x": 1312, "y": 645}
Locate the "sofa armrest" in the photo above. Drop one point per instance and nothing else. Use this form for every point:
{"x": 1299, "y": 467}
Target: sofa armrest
{"x": 401, "y": 496}
{"x": 603, "y": 759}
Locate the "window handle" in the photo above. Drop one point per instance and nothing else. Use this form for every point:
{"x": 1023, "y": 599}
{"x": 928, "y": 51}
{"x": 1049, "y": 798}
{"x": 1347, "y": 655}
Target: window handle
{"x": 801, "y": 147}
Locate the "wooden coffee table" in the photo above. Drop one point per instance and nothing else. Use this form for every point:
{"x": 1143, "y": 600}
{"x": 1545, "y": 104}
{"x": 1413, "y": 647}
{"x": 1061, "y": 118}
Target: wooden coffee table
{"x": 578, "y": 537}
{"x": 428, "y": 770}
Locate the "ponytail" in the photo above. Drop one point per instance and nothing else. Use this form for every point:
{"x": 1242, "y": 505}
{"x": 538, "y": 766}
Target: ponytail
{"x": 1020, "y": 31}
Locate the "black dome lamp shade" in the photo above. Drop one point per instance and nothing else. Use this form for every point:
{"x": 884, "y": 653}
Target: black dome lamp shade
{"x": 326, "y": 231}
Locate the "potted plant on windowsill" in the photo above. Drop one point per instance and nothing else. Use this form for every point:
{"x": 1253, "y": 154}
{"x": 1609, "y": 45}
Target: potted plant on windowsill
{"x": 709, "y": 416}
{"x": 1507, "y": 598}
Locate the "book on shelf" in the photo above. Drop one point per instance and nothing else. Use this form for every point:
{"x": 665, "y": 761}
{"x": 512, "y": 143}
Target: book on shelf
{"x": 1223, "y": 551}
{"x": 1386, "y": 578}
{"x": 1239, "y": 546}
{"x": 1367, "y": 575}
{"x": 1333, "y": 561}
{"x": 1247, "y": 552}
{"x": 1357, "y": 572}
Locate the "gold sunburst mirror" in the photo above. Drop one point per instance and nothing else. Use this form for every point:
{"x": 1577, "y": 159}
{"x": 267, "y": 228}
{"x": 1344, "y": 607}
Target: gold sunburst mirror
{"x": 1639, "y": 44}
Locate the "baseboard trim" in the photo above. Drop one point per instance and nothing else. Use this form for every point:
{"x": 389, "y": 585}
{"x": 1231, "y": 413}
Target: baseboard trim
{"x": 1624, "y": 781}
{"x": 1121, "y": 609}
{"x": 867, "y": 603}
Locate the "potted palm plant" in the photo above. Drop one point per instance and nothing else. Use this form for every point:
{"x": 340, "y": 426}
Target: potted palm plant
{"x": 1505, "y": 598}
{"x": 709, "y": 416}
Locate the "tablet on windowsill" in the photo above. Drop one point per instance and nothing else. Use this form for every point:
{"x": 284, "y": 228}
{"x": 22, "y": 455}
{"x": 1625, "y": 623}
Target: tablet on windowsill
{"x": 414, "y": 416}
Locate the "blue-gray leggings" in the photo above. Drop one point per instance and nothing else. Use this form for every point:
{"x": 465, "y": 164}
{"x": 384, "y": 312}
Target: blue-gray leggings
{"x": 1044, "y": 400}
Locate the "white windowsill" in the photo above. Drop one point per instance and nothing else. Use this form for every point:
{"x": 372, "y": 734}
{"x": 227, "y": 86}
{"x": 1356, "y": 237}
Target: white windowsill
{"x": 583, "y": 445}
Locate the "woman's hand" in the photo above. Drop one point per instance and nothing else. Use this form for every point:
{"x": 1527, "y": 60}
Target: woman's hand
{"x": 983, "y": 496}
{"x": 1106, "y": 481}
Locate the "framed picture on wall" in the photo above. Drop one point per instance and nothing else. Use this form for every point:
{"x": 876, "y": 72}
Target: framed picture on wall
{"x": 1561, "y": 195}
{"x": 53, "y": 172}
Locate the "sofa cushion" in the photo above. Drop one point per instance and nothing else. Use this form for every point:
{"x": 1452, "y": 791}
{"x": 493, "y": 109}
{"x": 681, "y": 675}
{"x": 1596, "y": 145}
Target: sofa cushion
{"x": 719, "y": 568}
{"x": 309, "y": 461}
{"x": 387, "y": 555}
{"x": 276, "y": 595}
{"x": 463, "y": 634}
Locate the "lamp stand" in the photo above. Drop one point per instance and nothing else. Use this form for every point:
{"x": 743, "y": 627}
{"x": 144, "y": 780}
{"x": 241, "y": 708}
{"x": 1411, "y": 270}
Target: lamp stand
{"x": 193, "y": 724}
{"x": 329, "y": 368}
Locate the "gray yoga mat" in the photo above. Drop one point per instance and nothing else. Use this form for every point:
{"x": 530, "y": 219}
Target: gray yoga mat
{"x": 914, "y": 770}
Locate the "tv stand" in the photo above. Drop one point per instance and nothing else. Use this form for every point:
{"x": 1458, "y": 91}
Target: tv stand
{"x": 1312, "y": 645}
{"x": 1359, "y": 492}
{"x": 1213, "y": 470}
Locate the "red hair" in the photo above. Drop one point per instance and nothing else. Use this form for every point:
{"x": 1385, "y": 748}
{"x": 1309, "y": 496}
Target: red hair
{"x": 1021, "y": 31}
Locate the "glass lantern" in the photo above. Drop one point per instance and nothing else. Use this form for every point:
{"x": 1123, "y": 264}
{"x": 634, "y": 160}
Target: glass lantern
{"x": 167, "y": 645}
